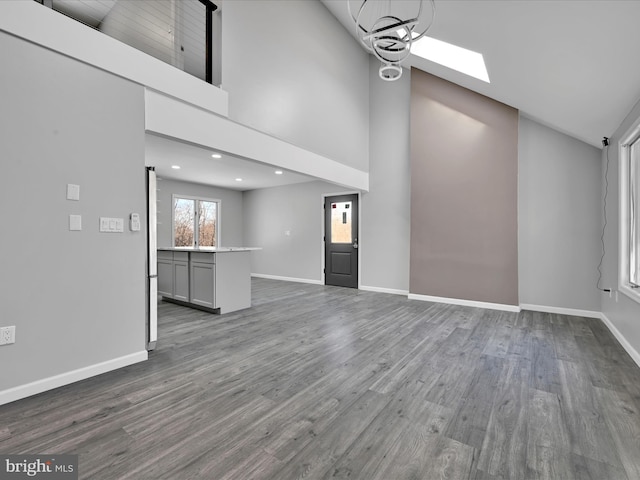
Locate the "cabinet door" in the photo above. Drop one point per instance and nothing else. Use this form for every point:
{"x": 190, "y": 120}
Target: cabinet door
{"x": 202, "y": 284}
{"x": 181, "y": 281}
{"x": 165, "y": 278}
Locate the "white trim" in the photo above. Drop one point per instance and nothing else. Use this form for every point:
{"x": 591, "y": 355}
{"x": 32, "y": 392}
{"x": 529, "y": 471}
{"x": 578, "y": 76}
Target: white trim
{"x": 393, "y": 291}
{"x": 633, "y": 353}
{"x": 287, "y": 279}
{"x": 39, "y": 386}
{"x": 561, "y": 310}
{"x": 466, "y": 303}
{"x": 633, "y": 294}
{"x": 632, "y": 135}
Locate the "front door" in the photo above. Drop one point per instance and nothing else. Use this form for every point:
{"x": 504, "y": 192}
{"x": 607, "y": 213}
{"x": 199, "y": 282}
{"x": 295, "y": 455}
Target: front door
{"x": 341, "y": 241}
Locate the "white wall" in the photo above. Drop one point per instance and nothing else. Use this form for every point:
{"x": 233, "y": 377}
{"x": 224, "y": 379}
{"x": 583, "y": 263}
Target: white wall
{"x": 77, "y": 299}
{"x": 43, "y": 26}
{"x": 293, "y": 71}
{"x": 298, "y": 209}
{"x": 386, "y": 208}
{"x": 231, "y": 210}
{"x": 622, "y": 312}
{"x": 558, "y": 219}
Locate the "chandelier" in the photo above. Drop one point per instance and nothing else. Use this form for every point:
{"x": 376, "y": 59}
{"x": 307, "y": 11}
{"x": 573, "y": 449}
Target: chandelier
{"x": 387, "y": 28}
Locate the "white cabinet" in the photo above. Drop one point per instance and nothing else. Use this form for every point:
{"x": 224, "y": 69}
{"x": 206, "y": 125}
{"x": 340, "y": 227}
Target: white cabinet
{"x": 217, "y": 281}
{"x": 181, "y": 276}
{"x": 173, "y": 275}
{"x": 233, "y": 281}
{"x": 203, "y": 279}
{"x": 165, "y": 273}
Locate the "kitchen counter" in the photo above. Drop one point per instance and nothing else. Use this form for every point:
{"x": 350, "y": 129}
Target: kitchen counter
{"x": 217, "y": 280}
{"x": 210, "y": 249}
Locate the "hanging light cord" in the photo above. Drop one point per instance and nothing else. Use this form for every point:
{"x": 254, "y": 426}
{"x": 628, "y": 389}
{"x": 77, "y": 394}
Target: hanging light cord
{"x": 604, "y": 209}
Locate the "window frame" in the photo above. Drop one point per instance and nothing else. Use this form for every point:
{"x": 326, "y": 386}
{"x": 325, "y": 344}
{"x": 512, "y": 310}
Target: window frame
{"x": 631, "y": 137}
{"x": 196, "y": 226}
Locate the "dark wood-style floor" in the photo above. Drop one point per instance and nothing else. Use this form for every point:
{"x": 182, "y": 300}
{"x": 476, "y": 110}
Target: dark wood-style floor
{"x": 327, "y": 383}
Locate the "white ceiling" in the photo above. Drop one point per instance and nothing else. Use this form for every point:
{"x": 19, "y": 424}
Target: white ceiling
{"x": 198, "y": 166}
{"x": 569, "y": 64}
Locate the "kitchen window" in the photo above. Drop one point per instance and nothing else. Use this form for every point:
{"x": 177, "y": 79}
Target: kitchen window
{"x": 630, "y": 213}
{"x": 195, "y": 222}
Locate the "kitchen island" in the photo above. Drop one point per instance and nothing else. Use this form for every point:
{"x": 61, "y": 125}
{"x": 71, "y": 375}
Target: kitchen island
{"x": 216, "y": 280}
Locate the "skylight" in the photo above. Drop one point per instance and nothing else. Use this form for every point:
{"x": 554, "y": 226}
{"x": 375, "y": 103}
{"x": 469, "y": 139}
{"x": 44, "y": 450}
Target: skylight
{"x": 451, "y": 56}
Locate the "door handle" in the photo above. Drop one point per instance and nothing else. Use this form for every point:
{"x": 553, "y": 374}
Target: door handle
{"x": 355, "y": 243}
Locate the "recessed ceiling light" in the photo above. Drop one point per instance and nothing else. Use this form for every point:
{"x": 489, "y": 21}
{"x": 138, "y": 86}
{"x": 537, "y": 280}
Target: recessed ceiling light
{"x": 175, "y": 167}
{"x": 279, "y": 172}
{"x": 457, "y": 58}
{"x": 216, "y": 155}
{"x": 238, "y": 179}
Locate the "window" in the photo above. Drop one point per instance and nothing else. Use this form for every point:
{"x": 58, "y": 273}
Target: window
{"x": 630, "y": 213}
{"x": 341, "y": 222}
{"x": 195, "y": 222}
{"x": 634, "y": 211}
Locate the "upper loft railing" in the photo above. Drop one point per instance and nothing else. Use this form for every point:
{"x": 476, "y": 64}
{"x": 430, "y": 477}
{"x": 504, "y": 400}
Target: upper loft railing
{"x": 182, "y": 33}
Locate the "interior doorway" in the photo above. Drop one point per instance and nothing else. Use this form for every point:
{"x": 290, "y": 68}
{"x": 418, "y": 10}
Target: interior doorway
{"x": 341, "y": 240}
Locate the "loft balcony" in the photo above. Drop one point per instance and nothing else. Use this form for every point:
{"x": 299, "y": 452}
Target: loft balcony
{"x": 183, "y": 33}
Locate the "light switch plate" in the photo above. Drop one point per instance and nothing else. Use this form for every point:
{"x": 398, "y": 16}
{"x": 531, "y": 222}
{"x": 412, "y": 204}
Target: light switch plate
{"x": 73, "y": 191}
{"x": 111, "y": 225}
{"x": 75, "y": 222}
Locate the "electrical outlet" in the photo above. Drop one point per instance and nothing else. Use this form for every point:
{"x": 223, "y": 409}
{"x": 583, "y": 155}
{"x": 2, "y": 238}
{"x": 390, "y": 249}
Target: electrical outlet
{"x": 7, "y": 335}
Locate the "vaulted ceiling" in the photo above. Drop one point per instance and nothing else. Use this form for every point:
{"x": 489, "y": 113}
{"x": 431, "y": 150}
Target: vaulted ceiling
{"x": 569, "y": 64}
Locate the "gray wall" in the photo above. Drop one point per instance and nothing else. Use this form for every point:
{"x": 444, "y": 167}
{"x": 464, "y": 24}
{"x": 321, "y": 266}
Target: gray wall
{"x": 270, "y": 212}
{"x": 558, "y": 223}
{"x": 231, "y": 223}
{"x": 293, "y": 71}
{"x": 623, "y": 312}
{"x": 385, "y": 220}
{"x": 464, "y": 165}
{"x": 76, "y": 298}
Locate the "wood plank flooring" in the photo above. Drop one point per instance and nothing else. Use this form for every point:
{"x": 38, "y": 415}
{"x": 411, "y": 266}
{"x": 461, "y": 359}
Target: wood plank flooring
{"x": 323, "y": 383}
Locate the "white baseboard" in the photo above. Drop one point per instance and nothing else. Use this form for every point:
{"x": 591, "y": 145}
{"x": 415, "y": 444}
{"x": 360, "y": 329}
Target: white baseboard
{"x": 465, "y": 303}
{"x": 39, "y": 386}
{"x": 561, "y": 310}
{"x": 287, "y": 279}
{"x": 384, "y": 290}
{"x": 633, "y": 353}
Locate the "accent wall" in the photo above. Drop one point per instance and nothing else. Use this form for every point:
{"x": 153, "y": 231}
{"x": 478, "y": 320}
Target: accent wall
{"x": 464, "y": 167}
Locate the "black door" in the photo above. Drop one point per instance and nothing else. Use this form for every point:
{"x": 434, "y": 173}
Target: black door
{"x": 341, "y": 241}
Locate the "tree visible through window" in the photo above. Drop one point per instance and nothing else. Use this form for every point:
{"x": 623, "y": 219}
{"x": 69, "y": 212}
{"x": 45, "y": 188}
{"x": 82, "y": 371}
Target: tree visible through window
{"x": 195, "y": 222}
{"x": 207, "y": 214}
